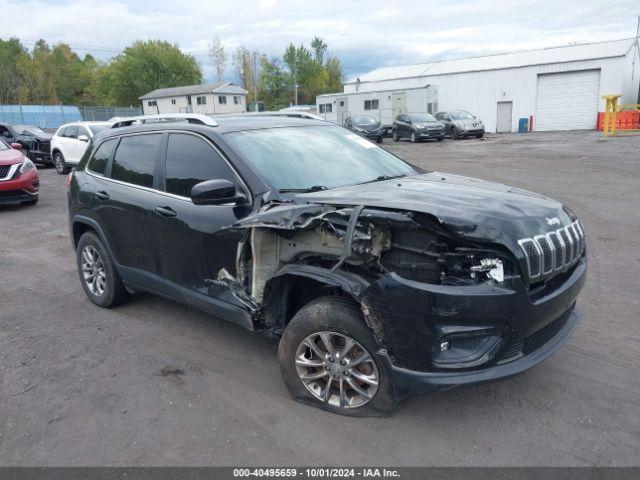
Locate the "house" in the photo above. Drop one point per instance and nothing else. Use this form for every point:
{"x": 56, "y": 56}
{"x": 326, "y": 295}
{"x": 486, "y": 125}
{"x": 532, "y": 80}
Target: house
{"x": 557, "y": 88}
{"x": 210, "y": 99}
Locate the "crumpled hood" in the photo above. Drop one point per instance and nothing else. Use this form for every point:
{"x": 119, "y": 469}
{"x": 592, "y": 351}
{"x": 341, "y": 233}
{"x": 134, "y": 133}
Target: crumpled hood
{"x": 466, "y": 206}
{"x": 38, "y": 136}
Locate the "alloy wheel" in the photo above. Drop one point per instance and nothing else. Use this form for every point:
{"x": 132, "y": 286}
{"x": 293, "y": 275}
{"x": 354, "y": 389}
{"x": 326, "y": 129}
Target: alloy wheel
{"x": 337, "y": 370}
{"x": 93, "y": 271}
{"x": 59, "y": 163}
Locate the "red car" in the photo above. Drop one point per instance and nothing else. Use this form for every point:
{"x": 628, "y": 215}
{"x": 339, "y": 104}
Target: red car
{"x": 19, "y": 182}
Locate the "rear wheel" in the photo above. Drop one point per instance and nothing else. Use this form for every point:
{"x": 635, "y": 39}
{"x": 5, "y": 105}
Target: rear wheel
{"x": 327, "y": 359}
{"x": 99, "y": 277}
{"x": 59, "y": 163}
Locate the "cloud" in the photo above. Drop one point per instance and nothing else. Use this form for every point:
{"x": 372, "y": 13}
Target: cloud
{"x": 364, "y": 35}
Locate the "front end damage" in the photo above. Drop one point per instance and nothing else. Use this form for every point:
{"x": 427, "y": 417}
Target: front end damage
{"x": 444, "y": 309}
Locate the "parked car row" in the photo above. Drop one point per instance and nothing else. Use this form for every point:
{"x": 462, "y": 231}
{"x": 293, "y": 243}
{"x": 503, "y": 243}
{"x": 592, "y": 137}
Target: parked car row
{"x": 456, "y": 124}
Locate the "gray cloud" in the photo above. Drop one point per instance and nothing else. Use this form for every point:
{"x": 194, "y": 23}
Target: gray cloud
{"x": 364, "y": 35}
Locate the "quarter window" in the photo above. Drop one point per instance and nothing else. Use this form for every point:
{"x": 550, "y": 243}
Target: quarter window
{"x": 191, "y": 160}
{"x": 100, "y": 159}
{"x": 371, "y": 104}
{"x": 135, "y": 159}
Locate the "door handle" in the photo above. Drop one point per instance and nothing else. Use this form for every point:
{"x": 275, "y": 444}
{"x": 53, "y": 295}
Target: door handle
{"x": 102, "y": 195}
{"x": 165, "y": 211}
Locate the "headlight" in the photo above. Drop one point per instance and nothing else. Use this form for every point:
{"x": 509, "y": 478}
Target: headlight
{"x": 419, "y": 125}
{"x": 27, "y": 165}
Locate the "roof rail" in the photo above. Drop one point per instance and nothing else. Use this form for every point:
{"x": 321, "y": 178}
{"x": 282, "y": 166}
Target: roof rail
{"x": 293, "y": 114}
{"x": 197, "y": 118}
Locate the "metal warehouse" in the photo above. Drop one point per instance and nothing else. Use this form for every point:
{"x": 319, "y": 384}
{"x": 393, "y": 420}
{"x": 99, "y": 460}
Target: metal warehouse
{"x": 556, "y": 88}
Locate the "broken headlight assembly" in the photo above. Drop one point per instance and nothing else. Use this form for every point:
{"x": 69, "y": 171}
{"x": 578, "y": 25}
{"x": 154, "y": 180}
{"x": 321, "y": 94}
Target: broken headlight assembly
{"x": 420, "y": 256}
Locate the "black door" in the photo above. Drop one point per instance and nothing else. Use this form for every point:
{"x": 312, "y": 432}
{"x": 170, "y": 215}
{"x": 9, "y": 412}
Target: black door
{"x": 194, "y": 242}
{"x": 124, "y": 202}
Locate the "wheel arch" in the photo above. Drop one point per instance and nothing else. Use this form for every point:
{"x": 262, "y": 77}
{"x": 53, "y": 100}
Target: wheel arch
{"x": 81, "y": 225}
{"x": 295, "y": 286}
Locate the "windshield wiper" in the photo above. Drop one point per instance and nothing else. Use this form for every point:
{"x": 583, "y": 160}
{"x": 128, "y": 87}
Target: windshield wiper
{"x": 382, "y": 178}
{"x": 315, "y": 188}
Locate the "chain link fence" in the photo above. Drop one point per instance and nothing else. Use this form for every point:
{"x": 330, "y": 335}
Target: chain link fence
{"x": 52, "y": 116}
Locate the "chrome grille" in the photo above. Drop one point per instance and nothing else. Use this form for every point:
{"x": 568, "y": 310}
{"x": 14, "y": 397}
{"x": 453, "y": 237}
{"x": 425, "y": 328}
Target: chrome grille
{"x": 553, "y": 251}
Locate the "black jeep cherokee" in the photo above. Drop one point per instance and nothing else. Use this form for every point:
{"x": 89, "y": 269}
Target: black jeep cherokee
{"x": 379, "y": 278}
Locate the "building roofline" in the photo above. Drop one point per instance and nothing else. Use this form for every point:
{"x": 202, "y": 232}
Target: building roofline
{"x": 429, "y": 65}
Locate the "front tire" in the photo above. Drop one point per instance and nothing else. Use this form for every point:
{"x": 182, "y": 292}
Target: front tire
{"x": 379, "y": 139}
{"x": 60, "y": 164}
{"x": 396, "y": 137}
{"x": 98, "y": 275}
{"x": 455, "y": 134}
{"x": 327, "y": 360}
{"x": 414, "y": 138}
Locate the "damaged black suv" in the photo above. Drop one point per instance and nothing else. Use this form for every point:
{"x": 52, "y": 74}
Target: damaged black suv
{"x": 379, "y": 278}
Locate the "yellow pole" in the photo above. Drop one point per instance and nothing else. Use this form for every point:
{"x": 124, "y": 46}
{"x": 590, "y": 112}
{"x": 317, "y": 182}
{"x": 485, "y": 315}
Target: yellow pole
{"x": 610, "y": 111}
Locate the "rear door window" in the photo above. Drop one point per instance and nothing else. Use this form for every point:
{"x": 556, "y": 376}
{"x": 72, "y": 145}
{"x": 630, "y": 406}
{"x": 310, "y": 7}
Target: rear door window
{"x": 102, "y": 155}
{"x": 135, "y": 159}
{"x": 191, "y": 160}
{"x": 71, "y": 132}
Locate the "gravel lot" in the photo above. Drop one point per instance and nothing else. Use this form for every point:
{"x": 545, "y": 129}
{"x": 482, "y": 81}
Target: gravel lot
{"x": 157, "y": 383}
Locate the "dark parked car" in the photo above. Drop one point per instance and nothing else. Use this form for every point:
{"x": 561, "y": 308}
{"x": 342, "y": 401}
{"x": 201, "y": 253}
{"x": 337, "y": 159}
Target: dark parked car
{"x": 417, "y": 127}
{"x": 379, "y": 278}
{"x": 459, "y": 124}
{"x": 36, "y": 143}
{"x": 365, "y": 126}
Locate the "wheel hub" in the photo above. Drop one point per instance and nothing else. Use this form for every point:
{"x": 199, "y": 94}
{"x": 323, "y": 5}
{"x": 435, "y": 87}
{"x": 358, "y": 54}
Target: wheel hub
{"x": 337, "y": 370}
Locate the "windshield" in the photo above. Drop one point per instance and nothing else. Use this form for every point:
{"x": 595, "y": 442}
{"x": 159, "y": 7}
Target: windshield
{"x": 28, "y": 129}
{"x": 364, "y": 120}
{"x": 422, "y": 117}
{"x": 98, "y": 128}
{"x": 315, "y": 157}
{"x": 461, "y": 115}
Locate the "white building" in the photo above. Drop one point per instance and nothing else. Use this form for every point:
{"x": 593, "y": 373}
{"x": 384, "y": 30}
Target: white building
{"x": 209, "y": 99}
{"x": 559, "y": 87}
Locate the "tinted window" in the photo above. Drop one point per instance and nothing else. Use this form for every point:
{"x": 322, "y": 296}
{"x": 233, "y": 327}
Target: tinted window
{"x": 191, "y": 160}
{"x": 71, "y": 132}
{"x": 98, "y": 162}
{"x": 135, "y": 159}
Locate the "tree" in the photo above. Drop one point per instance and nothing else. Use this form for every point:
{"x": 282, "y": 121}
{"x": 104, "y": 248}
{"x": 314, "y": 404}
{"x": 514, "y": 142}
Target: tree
{"x": 248, "y": 69}
{"x": 219, "y": 57}
{"x": 146, "y": 66}
{"x": 319, "y": 49}
{"x": 274, "y": 84}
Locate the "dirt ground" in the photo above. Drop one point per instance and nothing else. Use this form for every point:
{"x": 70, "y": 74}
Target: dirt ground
{"x": 157, "y": 383}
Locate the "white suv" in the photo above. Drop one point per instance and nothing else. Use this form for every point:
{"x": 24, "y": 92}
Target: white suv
{"x": 70, "y": 142}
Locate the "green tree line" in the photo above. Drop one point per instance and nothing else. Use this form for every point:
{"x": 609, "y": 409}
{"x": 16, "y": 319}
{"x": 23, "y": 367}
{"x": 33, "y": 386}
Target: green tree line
{"x": 55, "y": 74}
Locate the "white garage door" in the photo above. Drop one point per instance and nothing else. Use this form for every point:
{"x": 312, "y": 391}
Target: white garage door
{"x": 567, "y": 101}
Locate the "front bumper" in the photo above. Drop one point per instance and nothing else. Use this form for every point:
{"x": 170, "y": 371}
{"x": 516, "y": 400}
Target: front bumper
{"x": 373, "y": 134}
{"x": 430, "y": 133}
{"x": 411, "y": 319}
{"x": 23, "y": 188}
{"x": 468, "y": 132}
{"x": 411, "y": 381}
{"x": 37, "y": 156}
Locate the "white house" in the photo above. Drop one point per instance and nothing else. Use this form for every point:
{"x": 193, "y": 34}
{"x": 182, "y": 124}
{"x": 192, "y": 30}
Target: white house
{"x": 560, "y": 88}
{"x": 209, "y": 99}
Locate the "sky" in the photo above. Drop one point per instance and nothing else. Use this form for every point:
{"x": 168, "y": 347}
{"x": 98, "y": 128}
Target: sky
{"x": 363, "y": 34}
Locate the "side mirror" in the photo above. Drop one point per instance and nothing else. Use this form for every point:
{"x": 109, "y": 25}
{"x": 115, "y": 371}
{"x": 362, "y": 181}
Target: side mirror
{"x": 83, "y": 138}
{"x": 214, "y": 192}
{"x": 16, "y": 146}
